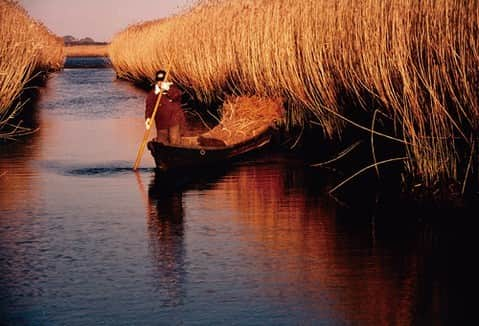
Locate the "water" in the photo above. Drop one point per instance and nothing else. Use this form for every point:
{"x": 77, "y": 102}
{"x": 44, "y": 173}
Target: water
{"x": 85, "y": 241}
{"x": 87, "y": 62}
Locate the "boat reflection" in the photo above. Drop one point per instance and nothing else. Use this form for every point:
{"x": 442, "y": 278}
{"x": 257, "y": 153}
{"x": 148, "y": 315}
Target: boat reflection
{"x": 166, "y": 234}
{"x": 166, "y": 229}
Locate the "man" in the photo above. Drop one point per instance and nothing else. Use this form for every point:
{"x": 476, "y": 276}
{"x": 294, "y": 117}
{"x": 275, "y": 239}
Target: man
{"x": 169, "y": 118}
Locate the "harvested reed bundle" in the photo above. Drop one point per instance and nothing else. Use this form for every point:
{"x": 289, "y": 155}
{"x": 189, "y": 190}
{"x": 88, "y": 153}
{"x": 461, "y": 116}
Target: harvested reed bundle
{"x": 245, "y": 117}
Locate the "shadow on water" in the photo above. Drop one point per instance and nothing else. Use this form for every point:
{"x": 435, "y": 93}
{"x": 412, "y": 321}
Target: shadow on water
{"x": 434, "y": 256}
{"x": 165, "y": 184}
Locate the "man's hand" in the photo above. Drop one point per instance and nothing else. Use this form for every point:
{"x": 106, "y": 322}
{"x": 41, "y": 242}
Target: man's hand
{"x": 165, "y": 86}
{"x": 148, "y": 124}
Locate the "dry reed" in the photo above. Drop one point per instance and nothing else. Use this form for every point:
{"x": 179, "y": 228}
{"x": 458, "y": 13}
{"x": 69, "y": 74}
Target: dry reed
{"x": 245, "y": 117}
{"x": 93, "y": 50}
{"x": 414, "y": 62}
{"x": 27, "y": 48}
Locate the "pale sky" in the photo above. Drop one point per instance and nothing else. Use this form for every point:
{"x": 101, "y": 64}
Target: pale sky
{"x": 98, "y": 19}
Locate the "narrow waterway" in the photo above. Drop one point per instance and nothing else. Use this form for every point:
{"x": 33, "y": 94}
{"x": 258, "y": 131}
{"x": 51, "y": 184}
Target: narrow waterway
{"x": 85, "y": 241}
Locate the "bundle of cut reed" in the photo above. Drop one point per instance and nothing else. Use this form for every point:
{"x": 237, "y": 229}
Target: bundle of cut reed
{"x": 245, "y": 117}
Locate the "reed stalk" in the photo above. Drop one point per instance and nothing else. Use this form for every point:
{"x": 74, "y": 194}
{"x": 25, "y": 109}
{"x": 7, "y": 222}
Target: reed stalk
{"x": 413, "y": 62}
{"x": 27, "y": 48}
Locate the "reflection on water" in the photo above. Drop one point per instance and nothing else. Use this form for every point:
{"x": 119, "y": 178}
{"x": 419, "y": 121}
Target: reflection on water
{"x": 287, "y": 249}
{"x": 166, "y": 228}
{"x": 87, "y": 62}
{"x": 84, "y": 240}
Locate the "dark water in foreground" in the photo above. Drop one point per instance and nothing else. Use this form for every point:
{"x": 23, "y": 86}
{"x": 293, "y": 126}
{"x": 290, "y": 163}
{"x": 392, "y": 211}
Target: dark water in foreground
{"x": 85, "y": 241}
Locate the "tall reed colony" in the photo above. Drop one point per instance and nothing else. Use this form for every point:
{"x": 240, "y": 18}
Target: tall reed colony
{"x": 27, "y": 48}
{"x": 411, "y": 64}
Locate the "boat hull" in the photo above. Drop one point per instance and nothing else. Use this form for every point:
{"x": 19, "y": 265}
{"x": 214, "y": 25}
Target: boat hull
{"x": 169, "y": 157}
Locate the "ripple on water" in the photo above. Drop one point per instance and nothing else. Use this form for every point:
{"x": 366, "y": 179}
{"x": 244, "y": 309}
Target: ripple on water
{"x": 91, "y": 170}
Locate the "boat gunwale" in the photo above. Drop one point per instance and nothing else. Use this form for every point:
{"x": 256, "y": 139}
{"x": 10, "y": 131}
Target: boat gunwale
{"x": 266, "y": 130}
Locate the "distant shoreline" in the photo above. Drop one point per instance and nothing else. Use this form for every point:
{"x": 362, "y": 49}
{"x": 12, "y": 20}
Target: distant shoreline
{"x": 97, "y": 49}
{"x": 78, "y": 43}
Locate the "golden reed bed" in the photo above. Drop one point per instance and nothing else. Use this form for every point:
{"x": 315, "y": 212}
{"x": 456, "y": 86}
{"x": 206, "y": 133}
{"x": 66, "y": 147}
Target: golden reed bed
{"x": 90, "y": 50}
{"x": 26, "y": 48}
{"x": 405, "y": 64}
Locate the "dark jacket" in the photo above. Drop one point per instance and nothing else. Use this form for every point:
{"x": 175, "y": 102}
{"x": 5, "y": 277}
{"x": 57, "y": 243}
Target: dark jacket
{"x": 169, "y": 112}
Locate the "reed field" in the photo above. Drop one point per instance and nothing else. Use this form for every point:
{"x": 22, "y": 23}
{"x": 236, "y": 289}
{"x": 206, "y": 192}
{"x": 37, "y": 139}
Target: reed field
{"x": 90, "y": 50}
{"x": 405, "y": 71}
{"x": 27, "y": 49}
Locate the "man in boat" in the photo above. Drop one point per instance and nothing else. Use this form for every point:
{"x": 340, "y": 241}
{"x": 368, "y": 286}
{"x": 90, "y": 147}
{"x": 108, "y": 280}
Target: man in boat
{"x": 170, "y": 117}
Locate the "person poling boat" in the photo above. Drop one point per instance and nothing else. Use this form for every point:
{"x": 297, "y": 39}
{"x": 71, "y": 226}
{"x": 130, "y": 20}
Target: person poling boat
{"x": 247, "y": 124}
{"x": 165, "y": 110}
{"x": 170, "y": 117}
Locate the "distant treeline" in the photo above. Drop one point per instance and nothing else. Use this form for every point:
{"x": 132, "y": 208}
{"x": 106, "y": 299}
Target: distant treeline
{"x": 85, "y": 47}
{"x": 70, "y": 40}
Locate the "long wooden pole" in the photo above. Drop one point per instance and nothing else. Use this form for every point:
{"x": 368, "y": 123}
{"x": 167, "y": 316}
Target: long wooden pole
{"x": 146, "y": 135}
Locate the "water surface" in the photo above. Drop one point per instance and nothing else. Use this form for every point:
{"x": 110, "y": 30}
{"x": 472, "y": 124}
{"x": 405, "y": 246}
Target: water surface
{"x": 85, "y": 241}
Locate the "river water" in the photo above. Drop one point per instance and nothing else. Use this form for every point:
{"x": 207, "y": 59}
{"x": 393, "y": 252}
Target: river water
{"x": 85, "y": 241}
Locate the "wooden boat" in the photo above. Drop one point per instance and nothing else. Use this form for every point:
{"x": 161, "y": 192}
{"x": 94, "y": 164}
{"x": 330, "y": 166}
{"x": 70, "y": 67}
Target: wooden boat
{"x": 247, "y": 124}
{"x": 169, "y": 157}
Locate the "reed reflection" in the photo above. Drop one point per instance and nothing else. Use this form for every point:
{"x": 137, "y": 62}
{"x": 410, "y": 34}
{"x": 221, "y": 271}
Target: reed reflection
{"x": 20, "y": 196}
{"x": 18, "y": 180}
{"x": 297, "y": 238}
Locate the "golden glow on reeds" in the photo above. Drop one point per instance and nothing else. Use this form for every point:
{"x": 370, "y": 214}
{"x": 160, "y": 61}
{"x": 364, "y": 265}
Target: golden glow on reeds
{"x": 414, "y": 62}
{"x": 27, "y": 47}
{"x": 93, "y": 50}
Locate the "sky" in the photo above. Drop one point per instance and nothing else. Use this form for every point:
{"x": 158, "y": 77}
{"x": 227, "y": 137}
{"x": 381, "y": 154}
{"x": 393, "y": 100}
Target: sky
{"x": 98, "y": 19}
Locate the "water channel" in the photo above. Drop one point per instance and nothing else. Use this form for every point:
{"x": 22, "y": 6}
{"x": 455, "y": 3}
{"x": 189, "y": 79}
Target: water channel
{"x": 85, "y": 241}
